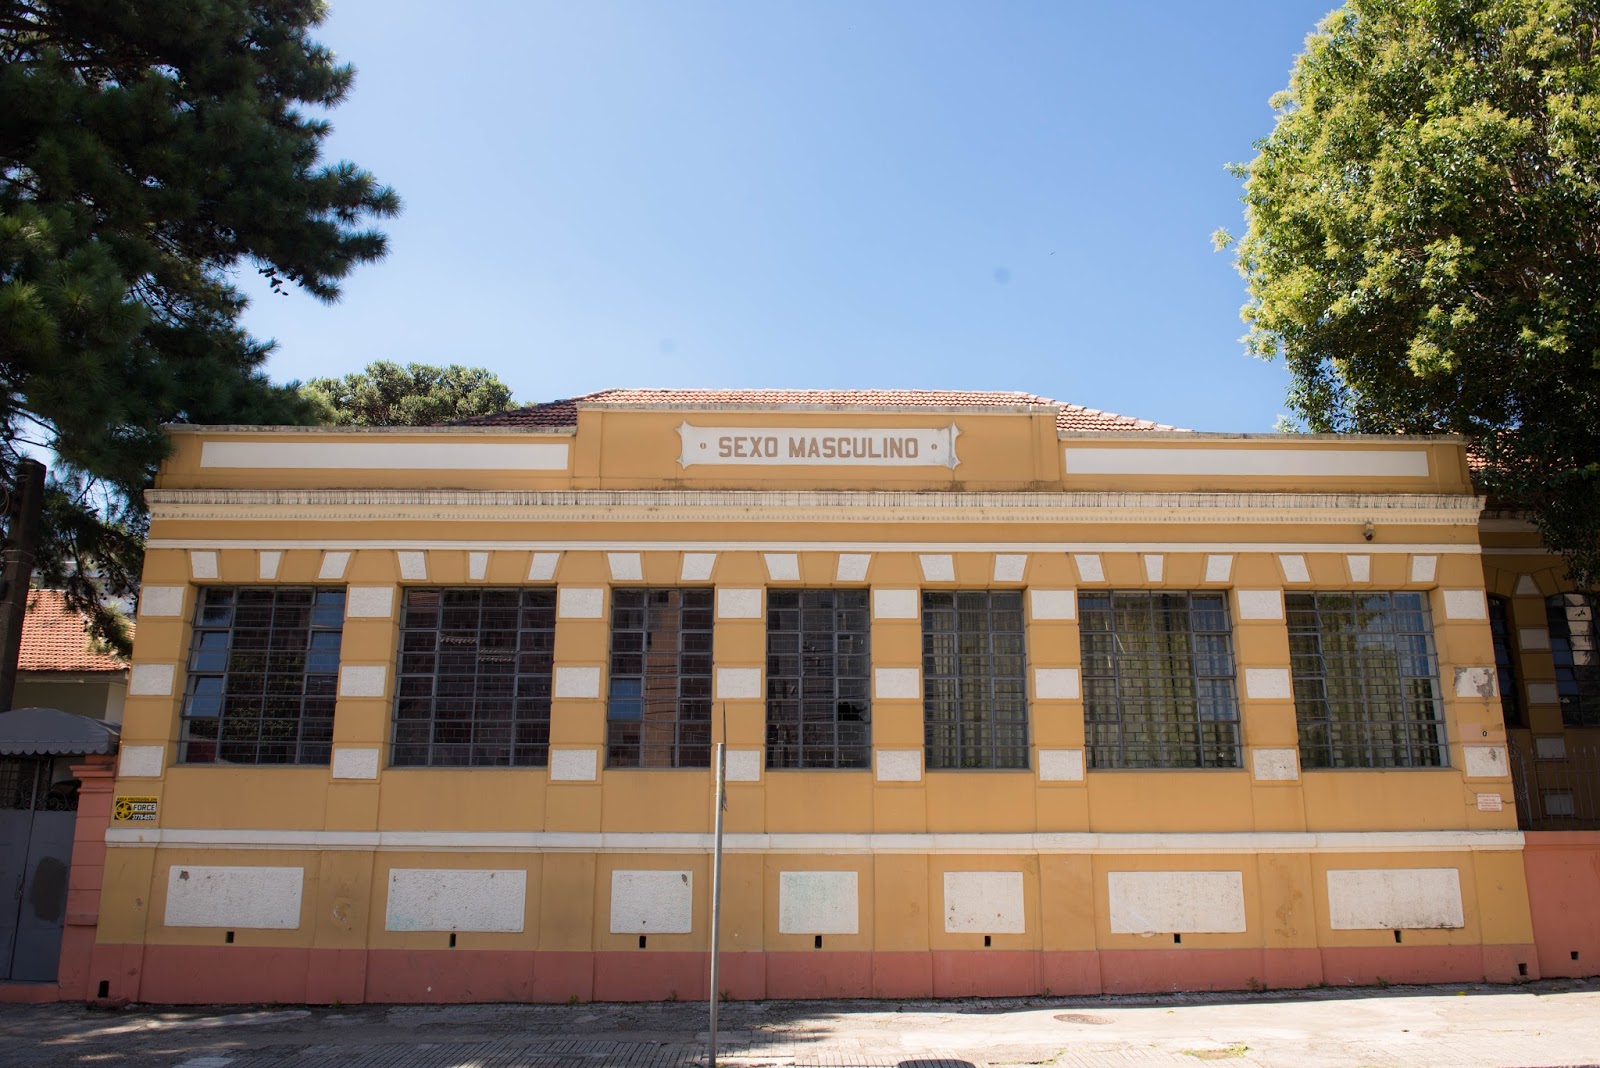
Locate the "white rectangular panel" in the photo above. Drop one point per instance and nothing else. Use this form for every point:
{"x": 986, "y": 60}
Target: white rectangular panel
{"x": 1176, "y": 902}
{"x": 254, "y": 898}
{"x": 447, "y": 899}
{"x": 1384, "y": 899}
{"x": 984, "y": 902}
{"x": 818, "y": 902}
{"x": 382, "y": 454}
{"x": 652, "y": 902}
{"x": 1293, "y": 463}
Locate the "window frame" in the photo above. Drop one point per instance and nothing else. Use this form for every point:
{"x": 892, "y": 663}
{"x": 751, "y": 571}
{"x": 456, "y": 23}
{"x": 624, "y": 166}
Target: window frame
{"x": 833, "y": 688}
{"x": 208, "y": 685}
{"x": 1581, "y": 706}
{"x": 526, "y": 719}
{"x": 1503, "y": 633}
{"x": 1311, "y": 688}
{"x": 943, "y": 692}
{"x": 691, "y": 700}
{"x": 1109, "y": 695}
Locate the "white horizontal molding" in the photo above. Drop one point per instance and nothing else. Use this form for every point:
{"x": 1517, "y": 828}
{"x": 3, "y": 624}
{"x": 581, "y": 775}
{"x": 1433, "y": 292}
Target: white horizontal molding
{"x": 1290, "y": 463}
{"x": 801, "y": 506}
{"x": 689, "y": 842}
{"x": 380, "y": 455}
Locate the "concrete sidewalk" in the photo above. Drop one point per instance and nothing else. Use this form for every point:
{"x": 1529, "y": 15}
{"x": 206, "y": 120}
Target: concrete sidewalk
{"x": 1548, "y": 1023}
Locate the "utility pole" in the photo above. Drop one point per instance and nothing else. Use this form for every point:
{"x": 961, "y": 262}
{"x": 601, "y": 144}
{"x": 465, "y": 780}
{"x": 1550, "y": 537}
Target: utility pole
{"x": 716, "y": 891}
{"x": 25, "y": 508}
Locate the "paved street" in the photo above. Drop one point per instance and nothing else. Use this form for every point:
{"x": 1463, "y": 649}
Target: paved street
{"x": 1546, "y": 1024}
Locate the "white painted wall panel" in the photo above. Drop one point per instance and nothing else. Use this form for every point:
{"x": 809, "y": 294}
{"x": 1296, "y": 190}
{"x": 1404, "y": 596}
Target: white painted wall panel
{"x": 1054, "y": 604}
{"x": 203, "y": 564}
{"x": 574, "y": 765}
{"x": 1155, "y": 566}
{"x": 984, "y": 902}
{"x": 369, "y": 602}
{"x": 1010, "y": 567}
{"x": 580, "y": 602}
{"x": 413, "y": 565}
{"x": 852, "y": 567}
{"x": 901, "y": 683}
{"x": 652, "y": 902}
{"x": 1477, "y": 682}
{"x": 1260, "y": 604}
{"x": 738, "y": 604}
{"x": 738, "y": 683}
{"x": 895, "y": 604}
{"x": 333, "y": 564}
{"x": 253, "y": 898}
{"x": 1176, "y": 902}
{"x": 818, "y": 902}
{"x": 477, "y": 566}
{"x": 1423, "y": 568}
{"x": 267, "y": 562}
{"x": 161, "y": 601}
{"x": 1382, "y": 899}
{"x": 577, "y": 682}
{"x": 697, "y": 567}
{"x": 447, "y": 899}
{"x": 938, "y": 567}
{"x": 542, "y": 566}
{"x": 1296, "y": 463}
{"x": 1088, "y": 565}
{"x": 1275, "y": 765}
{"x": 1055, "y": 683}
{"x": 1360, "y": 567}
{"x": 1267, "y": 683}
{"x": 1219, "y": 568}
{"x": 141, "y": 761}
{"x": 1061, "y": 765}
{"x": 744, "y": 765}
{"x": 783, "y": 567}
{"x": 899, "y": 765}
{"x": 1294, "y": 567}
{"x": 625, "y": 567}
{"x": 151, "y": 680}
{"x": 362, "y": 680}
{"x": 352, "y": 763}
{"x": 381, "y": 454}
{"x": 1465, "y": 604}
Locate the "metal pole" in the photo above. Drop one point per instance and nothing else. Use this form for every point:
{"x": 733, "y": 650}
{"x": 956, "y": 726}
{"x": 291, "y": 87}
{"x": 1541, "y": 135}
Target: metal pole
{"x": 716, "y": 890}
{"x": 16, "y": 570}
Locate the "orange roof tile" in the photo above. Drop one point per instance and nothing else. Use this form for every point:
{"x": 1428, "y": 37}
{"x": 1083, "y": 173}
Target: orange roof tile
{"x": 564, "y": 413}
{"x": 54, "y": 638}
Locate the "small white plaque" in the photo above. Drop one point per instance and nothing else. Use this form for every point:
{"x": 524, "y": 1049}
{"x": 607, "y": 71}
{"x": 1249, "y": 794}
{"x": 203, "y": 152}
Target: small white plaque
{"x": 819, "y": 446}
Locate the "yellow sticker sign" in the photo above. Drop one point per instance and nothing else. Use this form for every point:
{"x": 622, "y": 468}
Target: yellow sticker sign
{"x": 134, "y": 810}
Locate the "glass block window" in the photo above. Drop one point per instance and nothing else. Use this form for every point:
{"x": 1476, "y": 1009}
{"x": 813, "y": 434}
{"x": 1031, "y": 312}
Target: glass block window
{"x": 1366, "y": 680}
{"x": 659, "y": 708}
{"x": 974, "y": 690}
{"x": 819, "y": 669}
{"x": 1572, "y": 641}
{"x": 472, "y": 688}
{"x": 1505, "y": 660}
{"x": 263, "y": 671}
{"x": 1158, "y": 679}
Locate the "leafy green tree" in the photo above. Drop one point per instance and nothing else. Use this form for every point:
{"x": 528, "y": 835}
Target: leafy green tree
{"x": 1423, "y": 241}
{"x": 386, "y": 394}
{"x": 147, "y": 149}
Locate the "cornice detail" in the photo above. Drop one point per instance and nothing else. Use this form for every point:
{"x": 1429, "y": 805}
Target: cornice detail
{"x": 796, "y": 506}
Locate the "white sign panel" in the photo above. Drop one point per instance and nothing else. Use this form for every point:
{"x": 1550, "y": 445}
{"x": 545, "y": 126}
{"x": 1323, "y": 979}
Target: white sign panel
{"x": 819, "y": 446}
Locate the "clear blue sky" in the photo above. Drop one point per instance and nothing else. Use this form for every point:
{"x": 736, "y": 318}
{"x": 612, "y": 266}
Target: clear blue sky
{"x": 980, "y": 195}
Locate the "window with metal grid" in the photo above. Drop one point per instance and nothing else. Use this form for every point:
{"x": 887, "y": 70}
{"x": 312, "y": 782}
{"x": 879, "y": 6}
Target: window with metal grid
{"x": 1158, "y": 679}
{"x": 1366, "y": 680}
{"x": 819, "y": 669}
{"x": 659, "y": 708}
{"x": 263, "y": 671}
{"x": 472, "y": 688}
{"x": 974, "y": 690}
{"x": 1572, "y": 642}
{"x": 1505, "y": 660}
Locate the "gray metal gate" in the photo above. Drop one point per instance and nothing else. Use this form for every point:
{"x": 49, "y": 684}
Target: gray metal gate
{"x": 36, "y": 824}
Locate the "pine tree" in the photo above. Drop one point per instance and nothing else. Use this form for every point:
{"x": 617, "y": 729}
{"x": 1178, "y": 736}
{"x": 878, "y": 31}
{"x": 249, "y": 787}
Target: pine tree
{"x": 148, "y": 147}
{"x": 386, "y": 394}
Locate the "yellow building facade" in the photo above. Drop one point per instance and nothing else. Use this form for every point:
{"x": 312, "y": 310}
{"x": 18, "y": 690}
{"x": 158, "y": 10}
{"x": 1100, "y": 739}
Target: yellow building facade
{"x": 1017, "y": 697}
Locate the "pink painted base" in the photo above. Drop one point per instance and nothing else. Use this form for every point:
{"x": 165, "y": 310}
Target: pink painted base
{"x": 1563, "y": 884}
{"x": 187, "y": 975}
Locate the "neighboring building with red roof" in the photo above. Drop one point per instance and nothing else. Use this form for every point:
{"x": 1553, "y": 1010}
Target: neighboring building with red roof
{"x": 60, "y": 668}
{"x": 564, "y": 413}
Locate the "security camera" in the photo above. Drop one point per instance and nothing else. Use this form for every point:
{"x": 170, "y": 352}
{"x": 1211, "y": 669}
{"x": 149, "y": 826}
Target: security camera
{"x": 1367, "y": 532}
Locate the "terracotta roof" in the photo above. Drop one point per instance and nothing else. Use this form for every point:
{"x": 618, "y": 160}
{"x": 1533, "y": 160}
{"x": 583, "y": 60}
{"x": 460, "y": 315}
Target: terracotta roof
{"x": 564, "y": 413}
{"x": 54, "y": 638}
